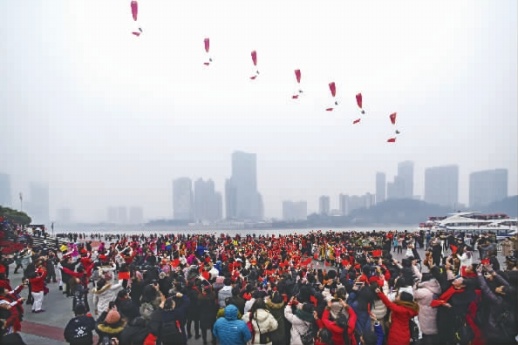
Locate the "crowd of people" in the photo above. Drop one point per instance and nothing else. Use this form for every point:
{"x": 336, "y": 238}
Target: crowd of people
{"x": 319, "y": 288}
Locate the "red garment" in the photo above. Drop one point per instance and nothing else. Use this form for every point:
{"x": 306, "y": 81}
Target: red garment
{"x": 38, "y": 283}
{"x": 445, "y": 297}
{"x": 16, "y": 310}
{"x": 338, "y": 331}
{"x": 399, "y": 331}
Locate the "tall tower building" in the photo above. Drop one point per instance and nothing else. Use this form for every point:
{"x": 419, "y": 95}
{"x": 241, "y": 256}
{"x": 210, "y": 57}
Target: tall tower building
{"x": 441, "y": 186}
{"x": 183, "y": 199}
{"x": 5, "y": 190}
{"x": 406, "y": 179}
{"x": 243, "y": 199}
{"x": 324, "y": 204}
{"x": 381, "y": 185}
{"x": 38, "y": 207}
{"x": 487, "y": 186}
{"x": 207, "y": 203}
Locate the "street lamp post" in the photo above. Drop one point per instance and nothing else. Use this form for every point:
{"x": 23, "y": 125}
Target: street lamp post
{"x": 21, "y": 201}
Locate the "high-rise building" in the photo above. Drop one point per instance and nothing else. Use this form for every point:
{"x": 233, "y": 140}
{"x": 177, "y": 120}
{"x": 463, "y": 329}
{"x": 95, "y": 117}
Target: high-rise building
{"x": 5, "y": 190}
{"x": 294, "y": 211}
{"x": 381, "y": 185}
{"x": 406, "y": 174}
{"x": 243, "y": 200}
{"x": 136, "y": 215}
{"x": 487, "y": 186}
{"x": 112, "y": 215}
{"x": 207, "y": 202}
{"x": 324, "y": 205}
{"x": 403, "y": 185}
{"x": 441, "y": 186}
{"x": 122, "y": 214}
{"x": 38, "y": 207}
{"x": 183, "y": 200}
{"x": 348, "y": 203}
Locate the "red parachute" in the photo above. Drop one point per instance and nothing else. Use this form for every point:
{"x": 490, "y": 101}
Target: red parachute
{"x": 254, "y": 60}
{"x": 206, "y": 43}
{"x": 298, "y": 75}
{"x": 332, "y": 88}
{"x": 359, "y": 101}
{"x": 134, "y": 9}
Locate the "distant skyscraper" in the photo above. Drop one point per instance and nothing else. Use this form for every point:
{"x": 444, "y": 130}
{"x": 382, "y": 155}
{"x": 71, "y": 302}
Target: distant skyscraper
{"x": 136, "y": 215}
{"x": 324, "y": 205}
{"x": 122, "y": 215}
{"x": 5, "y": 190}
{"x": 207, "y": 203}
{"x": 38, "y": 208}
{"x": 112, "y": 215}
{"x": 381, "y": 185}
{"x": 348, "y": 203}
{"x": 403, "y": 185}
{"x": 294, "y": 211}
{"x": 441, "y": 186}
{"x": 243, "y": 200}
{"x": 487, "y": 186}
{"x": 183, "y": 200}
{"x": 406, "y": 173}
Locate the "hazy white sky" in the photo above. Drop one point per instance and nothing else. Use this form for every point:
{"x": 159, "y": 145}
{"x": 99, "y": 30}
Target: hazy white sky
{"x": 111, "y": 119}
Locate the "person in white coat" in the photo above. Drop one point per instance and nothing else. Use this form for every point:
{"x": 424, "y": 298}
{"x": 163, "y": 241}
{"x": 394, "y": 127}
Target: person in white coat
{"x": 426, "y": 292}
{"x": 262, "y": 320}
{"x": 104, "y": 293}
{"x": 300, "y": 319}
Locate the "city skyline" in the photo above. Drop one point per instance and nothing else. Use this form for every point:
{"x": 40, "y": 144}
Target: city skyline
{"x": 333, "y": 203}
{"x": 105, "y": 118}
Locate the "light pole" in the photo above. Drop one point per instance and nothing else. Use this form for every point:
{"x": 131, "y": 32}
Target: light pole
{"x": 21, "y": 201}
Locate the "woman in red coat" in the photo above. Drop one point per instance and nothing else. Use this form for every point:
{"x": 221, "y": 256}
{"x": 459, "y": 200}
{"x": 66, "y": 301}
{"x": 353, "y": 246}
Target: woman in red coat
{"x": 341, "y": 324}
{"x": 403, "y": 309}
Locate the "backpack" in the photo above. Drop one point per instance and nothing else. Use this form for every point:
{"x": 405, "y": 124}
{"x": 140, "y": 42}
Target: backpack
{"x": 171, "y": 332}
{"x": 414, "y": 331}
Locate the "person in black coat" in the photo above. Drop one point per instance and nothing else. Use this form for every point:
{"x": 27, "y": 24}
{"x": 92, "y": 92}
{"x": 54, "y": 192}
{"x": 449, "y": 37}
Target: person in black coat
{"x": 79, "y": 330}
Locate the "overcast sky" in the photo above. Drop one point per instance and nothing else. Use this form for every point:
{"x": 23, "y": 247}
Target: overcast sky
{"x": 111, "y": 119}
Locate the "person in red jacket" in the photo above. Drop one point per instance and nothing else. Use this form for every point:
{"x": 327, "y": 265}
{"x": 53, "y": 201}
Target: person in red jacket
{"x": 341, "y": 324}
{"x": 403, "y": 309}
{"x": 37, "y": 281}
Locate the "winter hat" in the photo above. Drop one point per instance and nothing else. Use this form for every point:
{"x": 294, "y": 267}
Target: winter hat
{"x": 112, "y": 317}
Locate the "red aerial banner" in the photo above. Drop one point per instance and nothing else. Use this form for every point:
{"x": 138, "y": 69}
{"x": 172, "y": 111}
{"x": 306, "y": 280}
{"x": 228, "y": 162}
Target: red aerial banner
{"x": 393, "y": 118}
{"x": 254, "y": 60}
{"x": 298, "y": 75}
{"x": 206, "y": 43}
{"x": 332, "y": 88}
{"x": 134, "y": 9}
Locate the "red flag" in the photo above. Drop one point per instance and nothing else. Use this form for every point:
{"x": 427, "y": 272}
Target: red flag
{"x": 254, "y": 57}
{"x": 359, "y": 100}
{"x": 332, "y": 87}
{"x": 136, "y": 33}
{"x": 134, "y": 10}
{"x": 393, "y": 118}
{"x": 356, "y": 121}
{"x": 207, "y": 44}
{"x": 391, "y": 140}
{"x": 297, "y": 75}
